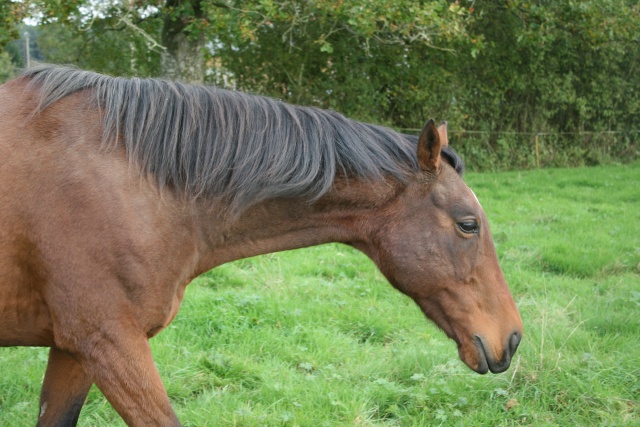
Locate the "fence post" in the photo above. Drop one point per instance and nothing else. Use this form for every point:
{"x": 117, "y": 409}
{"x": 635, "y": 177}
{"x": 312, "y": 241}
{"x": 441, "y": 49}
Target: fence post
{"x": 27, "y": 49}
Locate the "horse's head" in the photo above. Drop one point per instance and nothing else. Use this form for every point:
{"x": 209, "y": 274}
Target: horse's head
{"x": 433, "y": 243}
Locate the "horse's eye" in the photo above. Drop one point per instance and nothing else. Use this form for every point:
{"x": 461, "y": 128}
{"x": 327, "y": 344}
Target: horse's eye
{"x": 469, "y": 227}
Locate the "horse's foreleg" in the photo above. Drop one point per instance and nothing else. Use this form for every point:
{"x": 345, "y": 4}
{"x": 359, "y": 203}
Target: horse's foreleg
{"x": 119, "y": 362}
{"x": 64, "y": 390}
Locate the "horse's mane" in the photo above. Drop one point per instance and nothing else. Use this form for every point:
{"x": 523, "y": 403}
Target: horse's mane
{"x": 214, "y": 142}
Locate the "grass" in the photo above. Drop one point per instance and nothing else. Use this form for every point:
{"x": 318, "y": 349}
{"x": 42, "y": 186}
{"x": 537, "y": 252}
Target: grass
{"x": 316, "y": 337}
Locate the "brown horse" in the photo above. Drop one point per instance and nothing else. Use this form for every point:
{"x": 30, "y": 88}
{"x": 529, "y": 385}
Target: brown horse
{"x": 116, "y": 193}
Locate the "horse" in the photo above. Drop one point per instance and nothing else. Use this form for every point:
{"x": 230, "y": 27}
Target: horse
{"x": 115, "y": 193}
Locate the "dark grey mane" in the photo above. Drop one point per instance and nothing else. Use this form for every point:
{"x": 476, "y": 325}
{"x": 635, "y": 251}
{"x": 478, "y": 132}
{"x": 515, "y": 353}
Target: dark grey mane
{"x": 213, "y": 142}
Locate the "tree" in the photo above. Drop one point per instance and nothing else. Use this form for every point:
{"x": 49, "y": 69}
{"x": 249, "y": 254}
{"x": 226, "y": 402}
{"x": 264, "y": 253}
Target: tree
{"x": 11, "y": 13}
{"x": 183, "y": 38}
{"x": 360, "y": 57}
{"x": 554, "y": 66}
{"x": 294, "y": 42}
{"x": 124, "y": 37}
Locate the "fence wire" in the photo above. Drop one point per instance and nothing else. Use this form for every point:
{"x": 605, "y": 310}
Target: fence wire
{"x": 486, "y": 150}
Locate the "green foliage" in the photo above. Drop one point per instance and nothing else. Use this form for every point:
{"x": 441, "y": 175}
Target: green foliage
{"x": 316, "y": 337}
{"x": 11, "y": 13}
{"x": 99, "y": 47}
{"x": 553, "y": 67}
{"x": 114, "y": 37}
{"x": 366, "y": 59}
{"x": 6, "y": 67}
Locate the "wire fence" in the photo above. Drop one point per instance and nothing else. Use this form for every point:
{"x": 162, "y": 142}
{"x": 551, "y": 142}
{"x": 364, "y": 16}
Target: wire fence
{"x": 486, "y": 150}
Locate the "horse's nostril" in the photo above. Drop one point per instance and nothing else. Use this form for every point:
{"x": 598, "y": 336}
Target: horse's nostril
{"x": 514, "y": 341}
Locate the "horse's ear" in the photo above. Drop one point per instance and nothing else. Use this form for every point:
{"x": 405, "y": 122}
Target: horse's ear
{"x": 442, "y": 131}
{"x": 429, "y": 147}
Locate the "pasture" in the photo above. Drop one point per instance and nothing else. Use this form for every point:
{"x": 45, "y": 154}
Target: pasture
{"x": 316, "y": 337}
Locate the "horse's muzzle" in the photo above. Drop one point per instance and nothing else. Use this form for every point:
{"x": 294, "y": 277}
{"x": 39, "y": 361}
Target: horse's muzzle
{"x": 487, "y": 363}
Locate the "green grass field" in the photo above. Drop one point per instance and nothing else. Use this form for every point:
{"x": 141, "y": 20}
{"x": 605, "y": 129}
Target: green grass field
{"x": 316, "y": 337}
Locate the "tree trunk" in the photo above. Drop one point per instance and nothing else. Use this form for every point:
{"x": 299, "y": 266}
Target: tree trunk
{"x": 185, "y": 61}
{"x": 184, "y": 56}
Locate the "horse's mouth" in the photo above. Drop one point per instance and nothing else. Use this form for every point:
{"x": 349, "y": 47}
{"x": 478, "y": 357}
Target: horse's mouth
{"x": 482, "y": 367}
{"x": 486, "y": 363}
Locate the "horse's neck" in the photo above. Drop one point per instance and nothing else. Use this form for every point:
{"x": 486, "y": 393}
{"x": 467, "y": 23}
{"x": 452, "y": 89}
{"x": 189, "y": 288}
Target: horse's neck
{"x": 345, "y": 214}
